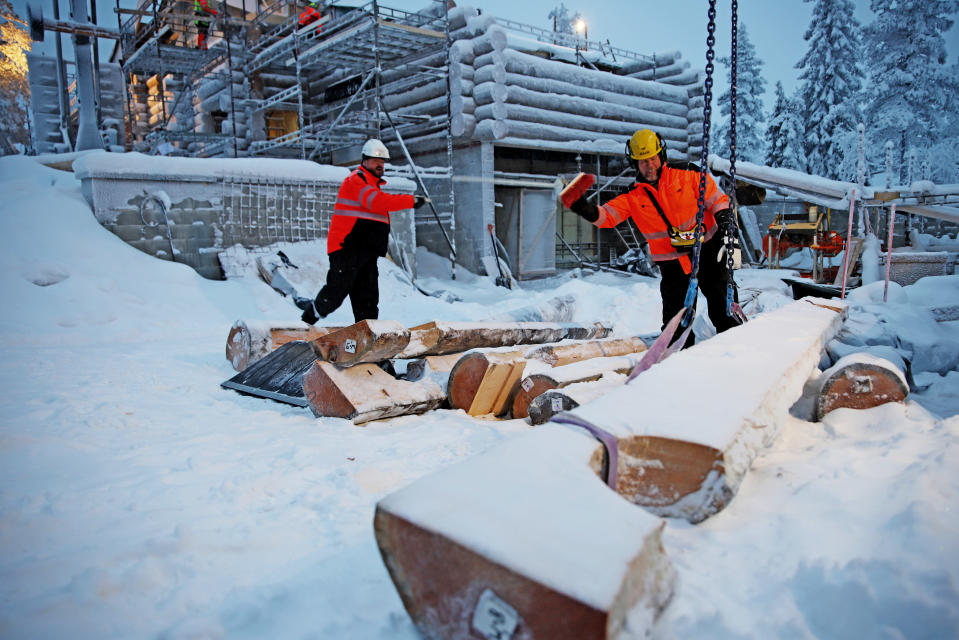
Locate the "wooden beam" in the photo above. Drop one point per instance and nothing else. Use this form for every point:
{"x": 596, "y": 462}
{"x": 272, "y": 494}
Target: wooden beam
{"x": 689, "y": 427}
{"x": 365, "y": 341}
{"x": 365, "y": 392}
{"x": 529, "y": 534}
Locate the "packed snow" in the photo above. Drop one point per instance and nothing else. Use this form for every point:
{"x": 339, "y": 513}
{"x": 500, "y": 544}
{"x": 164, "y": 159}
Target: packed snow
{"x": 140, "y": 499}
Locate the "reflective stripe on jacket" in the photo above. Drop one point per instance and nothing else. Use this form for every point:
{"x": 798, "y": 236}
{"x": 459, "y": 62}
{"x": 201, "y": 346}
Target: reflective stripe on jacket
{"x": 678, "y": 195}
{"x": 360, "y": 197}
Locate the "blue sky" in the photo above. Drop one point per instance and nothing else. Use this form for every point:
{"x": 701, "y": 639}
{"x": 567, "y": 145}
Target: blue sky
{"x": 776, "y": 27}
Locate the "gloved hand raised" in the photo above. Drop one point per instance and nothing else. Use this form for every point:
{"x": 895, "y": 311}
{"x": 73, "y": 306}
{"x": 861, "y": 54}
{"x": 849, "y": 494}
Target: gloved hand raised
{"x": 419, "y": 201}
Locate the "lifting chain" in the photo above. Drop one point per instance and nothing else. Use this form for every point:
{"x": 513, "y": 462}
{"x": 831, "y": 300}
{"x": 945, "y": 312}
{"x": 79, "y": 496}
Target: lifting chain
{"x": 691, "y": 291}
{"x": 732, "y": 307}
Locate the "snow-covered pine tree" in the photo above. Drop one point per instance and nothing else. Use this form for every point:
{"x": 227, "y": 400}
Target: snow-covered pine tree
{"x": 831, "y": 81}
{"x": 750, "y": 87}
{"x": 913, "y": 97}
{"x": 784, "y": 136}
{"x": 562, "y": 21}
{"x": 14, "y": 88}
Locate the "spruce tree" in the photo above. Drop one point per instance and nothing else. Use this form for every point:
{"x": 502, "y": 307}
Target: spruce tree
{"x": 784, "y": 136}
{"x": 913, "y": 96}
{"x": 831, "y": 81}
{"x": 750, "y": 87}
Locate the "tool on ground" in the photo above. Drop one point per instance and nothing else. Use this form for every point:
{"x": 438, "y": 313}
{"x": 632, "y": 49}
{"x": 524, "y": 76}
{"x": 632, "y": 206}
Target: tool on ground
{"x": 501, "y": 279}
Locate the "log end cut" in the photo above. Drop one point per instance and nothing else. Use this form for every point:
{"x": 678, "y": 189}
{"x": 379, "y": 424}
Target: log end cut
{"x": 860, "y": 381}
{"x": 672, "y": 478}
{"x": 529, "y": 389}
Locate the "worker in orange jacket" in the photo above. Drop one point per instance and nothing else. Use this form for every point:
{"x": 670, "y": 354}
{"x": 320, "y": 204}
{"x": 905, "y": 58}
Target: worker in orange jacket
{"x": 202, "y": 9}
{"x": 359, "y": 234}
{"x": 663, "y": 203}
{"x": 310, "y": 14}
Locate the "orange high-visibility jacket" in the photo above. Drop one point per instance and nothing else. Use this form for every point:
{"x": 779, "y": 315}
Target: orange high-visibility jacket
{"x": 677, "y": 195}
{"x": 360, "y": 198}
{"x": 309, "y": 15}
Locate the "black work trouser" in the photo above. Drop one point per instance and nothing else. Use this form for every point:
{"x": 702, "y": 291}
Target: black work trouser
{"x": 712, "y": 282}
{"x": 352, "y": 274}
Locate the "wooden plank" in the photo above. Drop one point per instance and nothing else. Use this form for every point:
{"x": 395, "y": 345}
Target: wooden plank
{"x": 365, "y": 341}
{"x": 562, "y": 376}
{"x": 530, "y": 525}
{"x": 484, "y": 375}
{"x": 365, "y": 392}
{"x": 860, "y": 381}
{"x": 855, "y": 254}
{"x": 684, "y": 447}
{"x": 437, "y": 338}
{"x": 247, "y": 341}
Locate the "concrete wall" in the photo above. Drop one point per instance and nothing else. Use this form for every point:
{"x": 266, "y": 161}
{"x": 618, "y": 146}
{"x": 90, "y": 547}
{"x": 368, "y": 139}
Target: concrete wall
{"x": 204, "y": 215}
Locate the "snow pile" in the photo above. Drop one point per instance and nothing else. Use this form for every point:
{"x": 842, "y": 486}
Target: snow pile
{"x": 139, "y": 499}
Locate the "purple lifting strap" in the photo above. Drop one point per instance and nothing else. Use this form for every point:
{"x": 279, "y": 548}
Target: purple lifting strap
{"x": 608, "y": 440}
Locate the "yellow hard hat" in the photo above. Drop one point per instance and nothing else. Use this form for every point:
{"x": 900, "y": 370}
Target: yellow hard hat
{"x": 644, "y": 144}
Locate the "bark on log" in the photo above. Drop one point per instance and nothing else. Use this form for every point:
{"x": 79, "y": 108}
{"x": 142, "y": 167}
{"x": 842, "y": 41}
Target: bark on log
{"x": 467, "y": 542}
{"x": 656, "y": 60}
{"x": 365, "y": 341}
{"x": 562, "y": 354}
{"x": 365, "y": 392}
{"x": 860, "y": 381}
{"x": 588, "y": 370}
{"x": 437, "y": 338}
{"x": 247, "y": 342}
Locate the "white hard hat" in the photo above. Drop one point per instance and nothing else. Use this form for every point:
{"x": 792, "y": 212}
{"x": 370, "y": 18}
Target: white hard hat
{"x": 375, "y": 149}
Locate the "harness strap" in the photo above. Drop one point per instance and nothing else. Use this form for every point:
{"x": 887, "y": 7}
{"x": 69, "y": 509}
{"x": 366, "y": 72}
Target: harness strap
{"x": 610, "y": 444}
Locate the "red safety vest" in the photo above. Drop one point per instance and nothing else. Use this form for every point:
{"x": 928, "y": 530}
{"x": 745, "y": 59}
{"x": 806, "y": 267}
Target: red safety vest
{"x": 309, "y": 15}
{"x": 677, "y": 195}
{"x": 360, "y": 196}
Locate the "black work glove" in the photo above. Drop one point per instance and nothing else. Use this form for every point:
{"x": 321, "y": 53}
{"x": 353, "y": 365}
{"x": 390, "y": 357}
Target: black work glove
{"x": 724, "y": 222}
{"x": 310, "y": 316}
{"x": 418, "y": 201}
{"x": 585, "y": 210}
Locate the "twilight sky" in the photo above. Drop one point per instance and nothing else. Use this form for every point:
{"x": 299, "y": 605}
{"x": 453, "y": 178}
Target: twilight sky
{"x": 776, "y": 27}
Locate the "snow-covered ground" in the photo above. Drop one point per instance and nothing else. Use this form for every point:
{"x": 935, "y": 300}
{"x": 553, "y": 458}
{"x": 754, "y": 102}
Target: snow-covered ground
{"x": 138, "y": 499}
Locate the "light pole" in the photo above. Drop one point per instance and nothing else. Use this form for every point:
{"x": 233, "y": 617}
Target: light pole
{"x": 581, "y": 27}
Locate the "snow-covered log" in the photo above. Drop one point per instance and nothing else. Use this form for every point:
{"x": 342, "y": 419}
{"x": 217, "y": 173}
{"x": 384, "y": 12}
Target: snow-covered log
{"x": 535, "y": 384}
{"x": 462, "y": 124}
{"x": 365, "y": 392}
{"x": 555, "y": 401}
{"x": 533, "y": 66}
{"x": 686, "y": 458}
{"x": 562, "y": 88}
{"x": 524, "y": 541}
{"x": 656, "y": 60}
{"x": 365, "y": 341}
{"x": 247, "y": 342}
{"x": 435, "y": 338}
{"x": 860, "y": 381}
{"x": 593, "y": 107}
{"x": 499, "y": 129}
{"x": 659, "y": 73}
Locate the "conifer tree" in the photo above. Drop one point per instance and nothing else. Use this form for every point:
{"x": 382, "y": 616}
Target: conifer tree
{"x": 750, "y": 87}
{"x": 14, "y": 88}
{"x": 784, "y": 134}
{"x": 913, "y": 97}
{"x": 831, "y": 81}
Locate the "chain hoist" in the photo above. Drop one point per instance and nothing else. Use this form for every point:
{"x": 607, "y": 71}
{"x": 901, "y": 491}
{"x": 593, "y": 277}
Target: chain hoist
{"x": 732, "y": 306}
{"x": 691, "y": 291}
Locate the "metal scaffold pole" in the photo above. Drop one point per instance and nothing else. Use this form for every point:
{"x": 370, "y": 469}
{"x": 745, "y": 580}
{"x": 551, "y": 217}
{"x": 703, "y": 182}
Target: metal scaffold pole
{"x": 449, "y": 140}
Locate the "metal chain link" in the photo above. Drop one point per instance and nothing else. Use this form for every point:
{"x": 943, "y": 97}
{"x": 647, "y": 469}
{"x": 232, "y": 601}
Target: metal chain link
{"x": 732, "y": 228}
{"x": 701, "y": 203}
